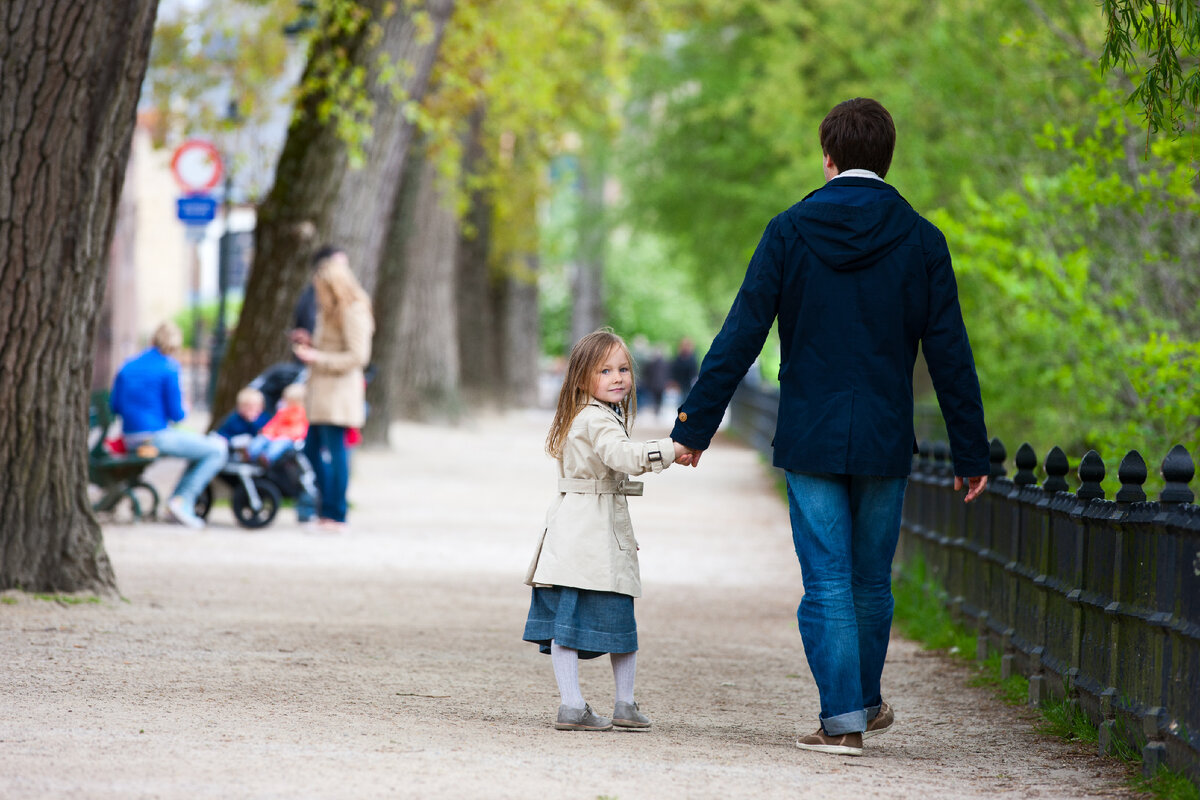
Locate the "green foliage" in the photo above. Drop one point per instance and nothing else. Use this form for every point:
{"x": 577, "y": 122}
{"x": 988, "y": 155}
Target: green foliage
{"x": 1156, "y": 38}
{"x": 1081, "y": 310}
{"x": 207, "y": 312}
{"x": 724, "y": 117}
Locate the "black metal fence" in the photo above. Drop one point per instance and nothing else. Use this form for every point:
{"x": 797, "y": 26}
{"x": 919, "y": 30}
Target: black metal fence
{"x": 1094, "y": 599}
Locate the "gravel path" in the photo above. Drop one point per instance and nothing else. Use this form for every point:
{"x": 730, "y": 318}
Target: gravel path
{"x": 388, "y": 662}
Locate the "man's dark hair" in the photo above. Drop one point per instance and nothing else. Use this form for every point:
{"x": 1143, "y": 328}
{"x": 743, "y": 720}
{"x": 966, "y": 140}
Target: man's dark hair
{"x": 326, "y": 250}
{"x": 859, "y": 134}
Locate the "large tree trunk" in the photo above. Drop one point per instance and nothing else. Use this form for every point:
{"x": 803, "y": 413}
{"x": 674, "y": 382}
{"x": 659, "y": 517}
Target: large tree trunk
{"x": 72, "y": 71}
{"x": 426, "y": 372}
{"x": 389, "y": 299}
{"x": 479, "y": 337}
{"x": 367, "y": 198}
{"x": 311, "y": 181}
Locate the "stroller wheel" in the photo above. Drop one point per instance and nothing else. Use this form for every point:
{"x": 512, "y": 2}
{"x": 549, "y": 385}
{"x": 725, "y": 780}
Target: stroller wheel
{"x": 269, "y": 500}
{"x": 204, "y": 502}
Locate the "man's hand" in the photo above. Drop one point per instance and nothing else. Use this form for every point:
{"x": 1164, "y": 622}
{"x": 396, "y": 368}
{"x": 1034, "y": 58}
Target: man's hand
{"x": 686, "y": 456}
{"x": 976, "y": 486}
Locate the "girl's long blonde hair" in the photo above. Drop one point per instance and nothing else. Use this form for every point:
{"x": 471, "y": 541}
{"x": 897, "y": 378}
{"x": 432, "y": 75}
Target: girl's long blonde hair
{"x": 337, "y": 288}
{"x": 586, "y": 357}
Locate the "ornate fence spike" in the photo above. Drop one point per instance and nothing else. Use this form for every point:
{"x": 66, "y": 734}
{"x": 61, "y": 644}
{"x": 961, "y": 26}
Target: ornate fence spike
{"x": 1132, "y": 474}
{"x": 1057, "y": 466}
{"x": 996, "y": 455}
{"x": 1177, "y": 471}
{"x": 1091, "y": 473}
{"x": 1026, "y": 461}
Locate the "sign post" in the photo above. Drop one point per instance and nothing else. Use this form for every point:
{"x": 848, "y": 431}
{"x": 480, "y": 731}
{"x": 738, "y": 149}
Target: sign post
{"x": 197, "y": 167}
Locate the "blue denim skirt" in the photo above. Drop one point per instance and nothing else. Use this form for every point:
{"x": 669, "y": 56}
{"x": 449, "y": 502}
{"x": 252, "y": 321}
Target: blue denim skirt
{"x": 594, "y": 623}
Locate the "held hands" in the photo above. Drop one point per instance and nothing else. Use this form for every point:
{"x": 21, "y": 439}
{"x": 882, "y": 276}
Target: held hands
{"x": 686, "y": 455}
{"x": 976, "y": 486}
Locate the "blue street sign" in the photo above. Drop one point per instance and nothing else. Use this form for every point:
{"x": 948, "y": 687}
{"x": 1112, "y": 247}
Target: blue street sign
{"x": 196, "y": 209}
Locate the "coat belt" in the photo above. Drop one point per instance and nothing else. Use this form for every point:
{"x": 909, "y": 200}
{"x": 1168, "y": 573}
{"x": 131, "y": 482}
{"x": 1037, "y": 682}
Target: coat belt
{"x": 592, "y": 486}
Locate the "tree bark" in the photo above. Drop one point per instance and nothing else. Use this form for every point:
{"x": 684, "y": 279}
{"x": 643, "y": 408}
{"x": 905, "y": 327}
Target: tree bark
{"x": 389, "y": 298}
{"x": 587, "y": 284}
{"x": 315, "y": 192}
{"x": 72, "y": 71}
{"x": 479, "y": 336}
{"x": 426, "y": 371}
{"x": 367, "y": 197}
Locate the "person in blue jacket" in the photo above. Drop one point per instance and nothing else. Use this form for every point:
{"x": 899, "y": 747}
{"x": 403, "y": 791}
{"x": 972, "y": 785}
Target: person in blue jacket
{"x": 858, "y": 281}
{"x": 147, "y": 397}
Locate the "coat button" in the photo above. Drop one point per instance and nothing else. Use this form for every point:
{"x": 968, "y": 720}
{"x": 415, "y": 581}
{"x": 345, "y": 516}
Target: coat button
{"x": 683, "y": 416}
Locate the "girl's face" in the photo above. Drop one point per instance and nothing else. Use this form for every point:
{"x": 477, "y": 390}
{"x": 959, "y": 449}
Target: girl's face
{"x": 613, "y": 377}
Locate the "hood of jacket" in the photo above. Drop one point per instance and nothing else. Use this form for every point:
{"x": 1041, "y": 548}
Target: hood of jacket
{"x": 851, "y": 223}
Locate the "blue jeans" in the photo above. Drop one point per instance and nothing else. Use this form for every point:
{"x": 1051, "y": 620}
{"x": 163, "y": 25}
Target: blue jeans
{"x": 205, "y": 454}
{"x": 845, "y": 528}
{"x": 325, "y": 447}
{"x": 273, "y": 449}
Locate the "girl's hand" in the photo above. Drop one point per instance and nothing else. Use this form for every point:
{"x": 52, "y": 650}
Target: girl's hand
{"x": 686, "y": 455}
{"x": 305, "y": 353}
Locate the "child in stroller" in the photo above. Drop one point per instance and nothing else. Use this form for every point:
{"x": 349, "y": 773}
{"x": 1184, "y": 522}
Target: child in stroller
{"x": 266, "y": 459}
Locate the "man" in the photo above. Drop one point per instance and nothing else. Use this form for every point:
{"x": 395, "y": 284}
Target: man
{"x": 146, "y": 396}
{"x": 857, "y": 280}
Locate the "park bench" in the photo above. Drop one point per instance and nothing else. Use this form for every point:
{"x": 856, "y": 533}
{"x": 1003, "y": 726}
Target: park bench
{"x": 117, "y": 475}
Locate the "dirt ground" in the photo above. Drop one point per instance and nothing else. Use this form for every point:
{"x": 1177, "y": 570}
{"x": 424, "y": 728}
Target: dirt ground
{"x": 388, "y": 662}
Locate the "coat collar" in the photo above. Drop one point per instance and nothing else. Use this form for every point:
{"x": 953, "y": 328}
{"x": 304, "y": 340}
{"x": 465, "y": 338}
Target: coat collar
{"x": 612, "y": 412}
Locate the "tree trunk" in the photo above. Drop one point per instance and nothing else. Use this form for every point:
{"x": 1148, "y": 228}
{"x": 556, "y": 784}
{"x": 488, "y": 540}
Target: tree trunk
{"x": 367, "y": 197}
{"x": 426, "y": 371}
{"x": 389, "y": 299}
{"x": 313, "y": 176}
{"x": 72, "y": 71}
{"x": 520, "y": 326}
{"x": 587, "y": 284}
{"x": 479, "y": 336}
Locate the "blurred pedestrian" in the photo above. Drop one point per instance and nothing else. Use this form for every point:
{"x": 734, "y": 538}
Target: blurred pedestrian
{"x": 147, "y": 397}
{"x": 340, "y": 350}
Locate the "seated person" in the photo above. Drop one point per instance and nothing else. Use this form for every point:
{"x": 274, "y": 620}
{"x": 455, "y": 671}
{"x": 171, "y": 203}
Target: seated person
{"x": 280, "y": 434}
{"x": 242, "y": 425}
{"x": 147, "y": 397}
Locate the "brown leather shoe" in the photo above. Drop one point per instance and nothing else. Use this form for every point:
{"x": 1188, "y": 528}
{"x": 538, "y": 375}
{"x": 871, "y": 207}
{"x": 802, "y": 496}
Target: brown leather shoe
{"x": 849, "y": 744}
{"x": 882, "y": 722}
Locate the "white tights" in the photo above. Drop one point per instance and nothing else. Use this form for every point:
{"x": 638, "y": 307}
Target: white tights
{"x": 566, "y": 673}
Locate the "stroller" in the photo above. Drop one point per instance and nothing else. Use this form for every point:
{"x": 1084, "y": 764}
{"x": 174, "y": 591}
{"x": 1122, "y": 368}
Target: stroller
{"x": 258, "y": 491}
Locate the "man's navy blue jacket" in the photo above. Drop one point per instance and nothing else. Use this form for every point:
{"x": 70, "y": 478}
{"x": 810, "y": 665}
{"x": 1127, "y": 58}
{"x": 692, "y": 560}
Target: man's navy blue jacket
{"x": 858, "y": 280}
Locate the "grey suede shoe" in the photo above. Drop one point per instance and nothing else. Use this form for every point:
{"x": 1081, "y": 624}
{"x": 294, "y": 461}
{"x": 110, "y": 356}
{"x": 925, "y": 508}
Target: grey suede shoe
{"x": 581, "y": 719}
{"x": 626, "y": 715}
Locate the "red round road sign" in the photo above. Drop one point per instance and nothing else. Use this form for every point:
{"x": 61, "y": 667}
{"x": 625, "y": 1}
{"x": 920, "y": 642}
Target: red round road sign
{"x": 196, "y": 166}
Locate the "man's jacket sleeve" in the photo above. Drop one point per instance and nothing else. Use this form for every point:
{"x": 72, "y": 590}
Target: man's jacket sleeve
{"x": 952, "y": 367}
{"x": 736, "y": 346}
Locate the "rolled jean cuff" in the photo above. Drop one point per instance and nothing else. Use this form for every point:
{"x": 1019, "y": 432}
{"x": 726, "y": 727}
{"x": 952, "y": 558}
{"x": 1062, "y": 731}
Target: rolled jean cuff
{"x": 873, "y": 711}
{"x": 850, "y": 722}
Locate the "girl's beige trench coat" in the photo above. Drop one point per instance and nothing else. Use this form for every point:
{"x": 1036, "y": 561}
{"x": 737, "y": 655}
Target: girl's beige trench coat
{"x": 588, "y": 540}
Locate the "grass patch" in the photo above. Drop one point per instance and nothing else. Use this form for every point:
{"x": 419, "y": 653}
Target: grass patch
{"x": 921, "y": 615}
{"x": 8, "y": 601}
{"x": 68, "y": 599}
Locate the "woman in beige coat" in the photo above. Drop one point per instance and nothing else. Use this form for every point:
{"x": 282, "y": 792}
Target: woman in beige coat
{"x": 340, "y": 350}
{"x": 584, "y": 573}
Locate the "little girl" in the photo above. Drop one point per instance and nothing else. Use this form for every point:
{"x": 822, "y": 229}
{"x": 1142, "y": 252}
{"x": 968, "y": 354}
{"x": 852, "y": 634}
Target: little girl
{"x": 584, "y": 572}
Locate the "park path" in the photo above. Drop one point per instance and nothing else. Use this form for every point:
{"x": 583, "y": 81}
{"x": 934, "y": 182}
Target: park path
{"x": 388, "y": 662}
